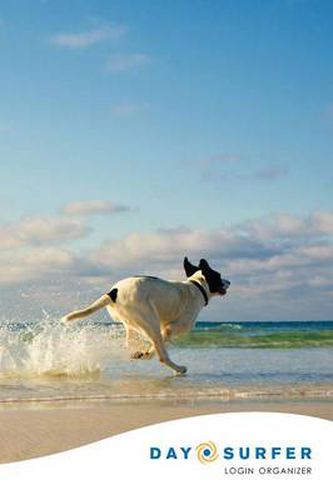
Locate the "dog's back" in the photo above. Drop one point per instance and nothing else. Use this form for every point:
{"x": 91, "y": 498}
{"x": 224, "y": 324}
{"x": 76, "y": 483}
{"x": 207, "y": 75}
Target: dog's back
{"x": 169, "y": 298}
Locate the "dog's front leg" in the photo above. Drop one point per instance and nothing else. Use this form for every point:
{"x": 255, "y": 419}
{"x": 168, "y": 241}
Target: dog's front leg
{"x": 154, "y": 334}
{"x": 164, "y": 357}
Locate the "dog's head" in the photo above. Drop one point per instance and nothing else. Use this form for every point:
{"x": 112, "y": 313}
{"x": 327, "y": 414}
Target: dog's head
{"x": 216, "y": 284}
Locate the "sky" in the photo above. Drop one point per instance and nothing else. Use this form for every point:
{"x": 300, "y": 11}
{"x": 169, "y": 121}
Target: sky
{"x": 135, "y": 132}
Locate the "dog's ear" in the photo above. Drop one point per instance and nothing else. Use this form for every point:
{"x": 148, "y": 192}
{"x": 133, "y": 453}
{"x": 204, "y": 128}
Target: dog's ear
{"x": 203, "y": 264}
{"x": 190, "y": 269}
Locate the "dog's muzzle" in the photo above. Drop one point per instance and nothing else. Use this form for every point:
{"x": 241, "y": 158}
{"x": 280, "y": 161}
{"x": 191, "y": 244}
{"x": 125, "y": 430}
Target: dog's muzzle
{"x": 225, "y": 285}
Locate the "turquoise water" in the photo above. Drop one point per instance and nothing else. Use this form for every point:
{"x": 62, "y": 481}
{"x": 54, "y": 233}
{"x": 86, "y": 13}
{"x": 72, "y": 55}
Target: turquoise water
{"x": 46, "y": 361}
{"x": 261, "y": 334}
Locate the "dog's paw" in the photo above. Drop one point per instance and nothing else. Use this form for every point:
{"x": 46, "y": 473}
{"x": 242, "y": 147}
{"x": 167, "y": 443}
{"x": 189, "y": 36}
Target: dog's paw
{"x": 137, "y": 355}
{"x": 181, "y": 370}
{"x": 141, "y": 355}
{"x": 64, "y": 320}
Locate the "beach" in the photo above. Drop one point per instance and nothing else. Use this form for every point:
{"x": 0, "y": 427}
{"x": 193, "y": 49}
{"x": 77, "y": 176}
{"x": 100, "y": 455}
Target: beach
{"x": 38, "y": 430}
{"x": 64, "y": 387}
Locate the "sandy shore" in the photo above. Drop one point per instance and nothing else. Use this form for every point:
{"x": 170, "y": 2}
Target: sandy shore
{"x": 27, "y": 432}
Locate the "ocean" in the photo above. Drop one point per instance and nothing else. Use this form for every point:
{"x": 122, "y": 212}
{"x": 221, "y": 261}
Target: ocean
{"x": 47, "y": 362}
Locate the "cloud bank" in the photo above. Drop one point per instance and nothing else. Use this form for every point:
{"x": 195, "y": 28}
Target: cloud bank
{"x": 280, "y": 265}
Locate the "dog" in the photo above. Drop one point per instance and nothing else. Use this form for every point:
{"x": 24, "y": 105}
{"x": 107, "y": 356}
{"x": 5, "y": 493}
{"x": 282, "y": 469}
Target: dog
{"x": 159, "y": 308}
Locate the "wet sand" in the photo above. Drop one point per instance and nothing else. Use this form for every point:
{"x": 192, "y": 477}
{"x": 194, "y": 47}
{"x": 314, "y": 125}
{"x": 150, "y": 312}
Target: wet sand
{"x": 37, "y": 430}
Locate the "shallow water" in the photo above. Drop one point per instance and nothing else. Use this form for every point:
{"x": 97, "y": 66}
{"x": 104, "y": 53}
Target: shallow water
{"x": 46, "y": 361}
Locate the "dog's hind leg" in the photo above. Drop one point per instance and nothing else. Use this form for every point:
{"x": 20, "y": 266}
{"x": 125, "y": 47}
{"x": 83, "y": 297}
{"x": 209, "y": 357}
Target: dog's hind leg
{"x": 129, "y": 332}
{"x": 149, "y": 353}
{"x": 143, "y": 354}
{"x": 169, "y": 330}
{"x": 137, "y": 348}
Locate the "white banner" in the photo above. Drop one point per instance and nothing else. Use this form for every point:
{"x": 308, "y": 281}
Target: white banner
{"x": 246, "y": 455}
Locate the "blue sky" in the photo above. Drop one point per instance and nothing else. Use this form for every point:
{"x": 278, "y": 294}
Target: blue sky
{"x": 200, "y": 119}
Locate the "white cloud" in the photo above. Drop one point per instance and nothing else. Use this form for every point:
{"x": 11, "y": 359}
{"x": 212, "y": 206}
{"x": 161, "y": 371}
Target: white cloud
{"x": 34, "y": 264}
{"x": 119, "y": 63}
{"x": 41, "y": 230}
{"x": 279, "y": 265}
{"x": 288, "y": 226}
{"x": 283, "y": 256}
{"x": 323, "y": 222}
{"x": 93, "y": 207}
{"x": 266, "y": 245}
{"x": 319, "y": 253}
{"x": 47, "y": 265}
{"x": 162, "y": 247}
{"x": 88, "y": 38}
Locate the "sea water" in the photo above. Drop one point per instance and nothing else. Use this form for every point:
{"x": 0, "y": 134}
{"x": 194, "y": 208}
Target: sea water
{"x": 46, "y": 361}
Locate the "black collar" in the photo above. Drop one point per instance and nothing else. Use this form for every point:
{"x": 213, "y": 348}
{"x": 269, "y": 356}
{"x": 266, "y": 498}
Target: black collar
{"x": 202, "y": 290}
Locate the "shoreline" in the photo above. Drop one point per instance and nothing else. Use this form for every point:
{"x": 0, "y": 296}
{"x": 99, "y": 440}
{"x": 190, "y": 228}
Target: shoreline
{"x": 32, "y": 430}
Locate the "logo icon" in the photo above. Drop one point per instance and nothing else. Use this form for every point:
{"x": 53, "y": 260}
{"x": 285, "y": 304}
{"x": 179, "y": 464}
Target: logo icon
{"x": 207, "y": 452}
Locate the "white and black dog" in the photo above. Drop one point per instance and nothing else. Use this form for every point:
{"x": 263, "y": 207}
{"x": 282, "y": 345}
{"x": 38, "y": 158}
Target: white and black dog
{"x": 159, "y": 308}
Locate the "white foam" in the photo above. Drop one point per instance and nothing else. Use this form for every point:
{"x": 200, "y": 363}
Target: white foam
{"x": 49, "y": 348}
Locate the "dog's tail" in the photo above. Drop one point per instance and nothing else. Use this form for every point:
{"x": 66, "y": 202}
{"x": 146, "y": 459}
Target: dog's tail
{"x": 87, "y": 311}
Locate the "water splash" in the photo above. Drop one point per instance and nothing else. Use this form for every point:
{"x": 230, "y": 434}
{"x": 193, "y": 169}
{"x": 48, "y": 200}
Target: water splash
{"x": 47, "y": 348}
